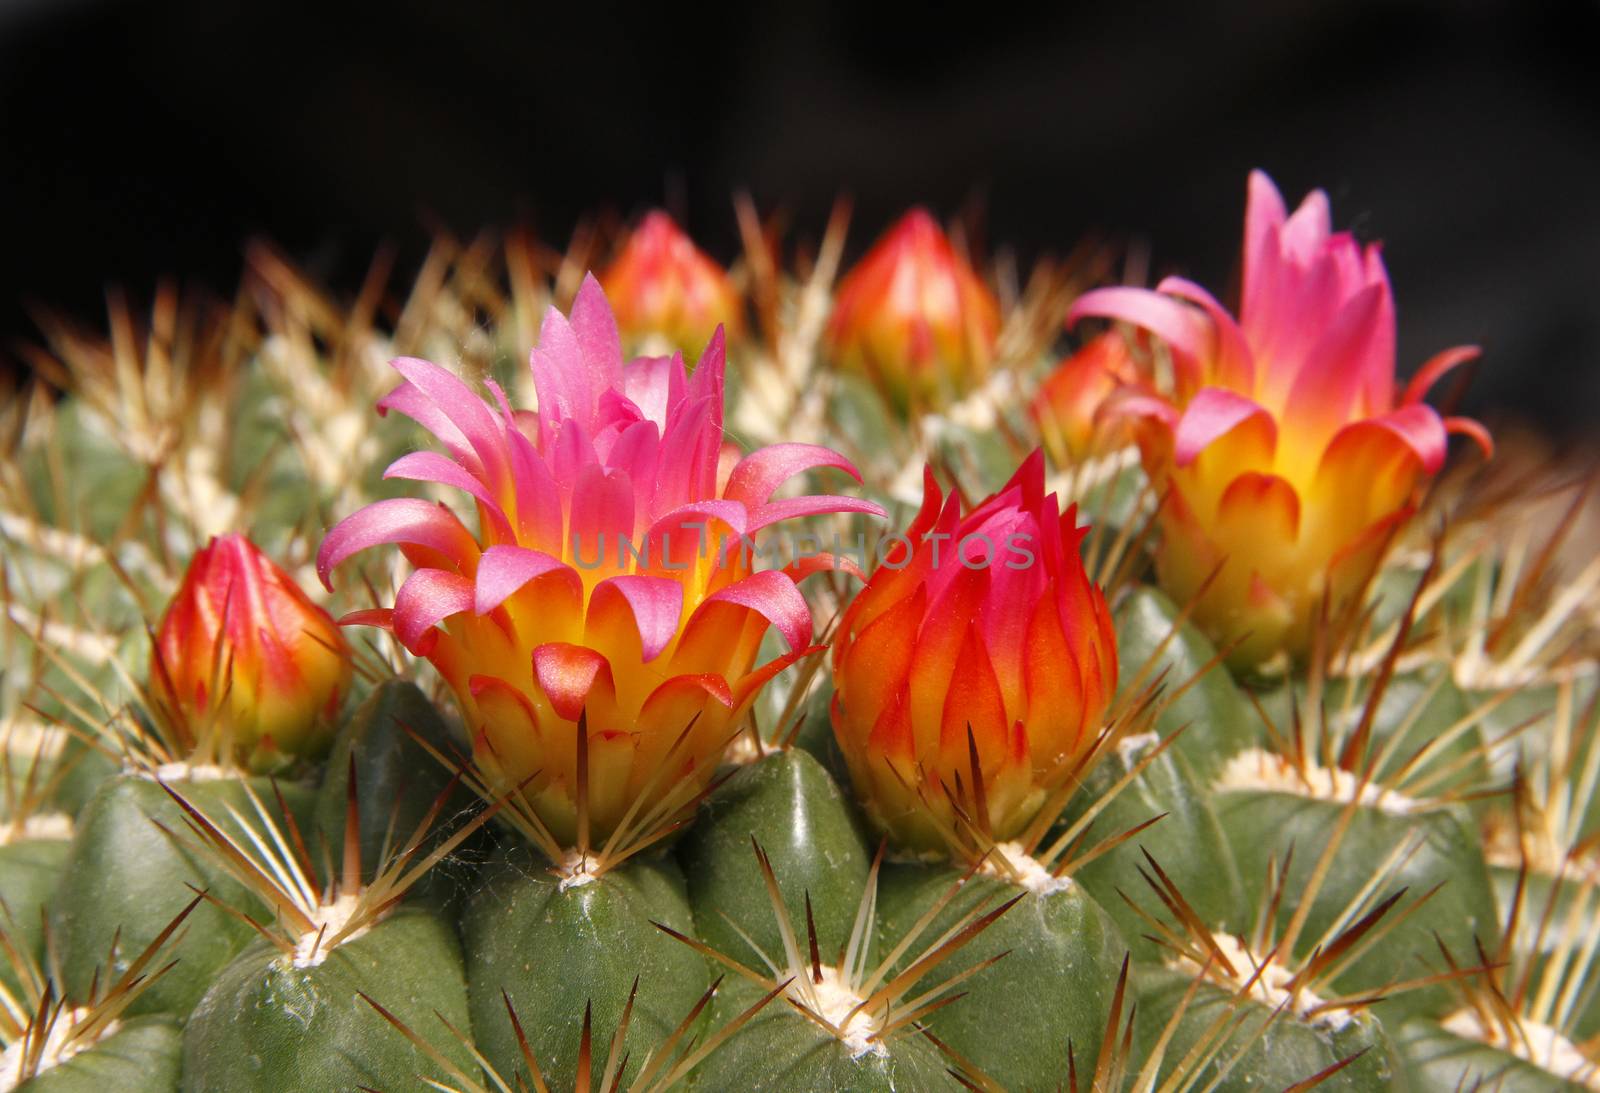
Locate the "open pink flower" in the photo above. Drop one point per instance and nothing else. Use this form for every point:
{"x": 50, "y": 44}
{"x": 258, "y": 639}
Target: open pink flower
{"x": 1284, "y": 446}
{"x": 597, "y": 581}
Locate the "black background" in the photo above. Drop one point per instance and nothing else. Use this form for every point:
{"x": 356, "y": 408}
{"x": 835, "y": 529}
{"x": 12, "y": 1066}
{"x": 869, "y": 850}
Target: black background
{"x": 144, "y": 139}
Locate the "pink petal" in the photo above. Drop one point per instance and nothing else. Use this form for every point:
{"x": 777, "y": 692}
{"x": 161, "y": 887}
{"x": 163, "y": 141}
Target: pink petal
{"x": 433, "y": 467}
{"x": 656, "y": 603}
{"x": 774, "y": 597}
{"x": 1185, "y": 330}
{"x": 464, "y": 409}
{"x": 567, "y": 674}
{"x": 596, "y": 329}
{"x": 427, "y": 597}
{"x": 790, "y": 508}
{"x": 655, "y": 385}
{"x": 409, "y": 400}
{"x": 503, "y": 570}
{"x": 1348, "y": 350}
{"x": 1209, "y": 415}
{"x": 1418, "y": 426}
{"x": 1234, "y": 365}
{"x": 409, "y": 520}
{"x": 760, "y": 473}
{"x": 1132, "y": 402}
{"x": 706, "y": 382}
{"x": 1263, "y": 218}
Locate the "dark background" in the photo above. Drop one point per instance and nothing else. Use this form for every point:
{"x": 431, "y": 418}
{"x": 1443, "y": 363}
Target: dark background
{"x": 143, "y": 139}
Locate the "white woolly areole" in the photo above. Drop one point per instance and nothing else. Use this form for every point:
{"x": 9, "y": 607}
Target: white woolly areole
{"x": 1271, "y": 987}
{"x": 743, "y": 751}
{"x": 1261, "y": 770}
{"x": 575, "y": 870}
{"x": 188, "y": 772}
{"x": 1030, "y": 872}
{"x": 43, "y": 825}
{"x": 57, "y": 1049}
{"x": 832, "y": 1000}
{"x": 1537, "y": 1043}
{"x": 327, "y": 920}
{"x": 1130, "y": 749}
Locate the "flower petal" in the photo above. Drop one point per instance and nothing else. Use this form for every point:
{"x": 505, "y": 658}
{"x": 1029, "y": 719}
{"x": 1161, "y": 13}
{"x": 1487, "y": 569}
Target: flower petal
{"x": 1185, "y": 330}
{"x": 774, "y": 597}
{"x": 428, "y": 597}
{"x": 656, "y": 604}
{"x": 432, "y": 467}
{"x": 761, "y": 472}
{"x": 408, "y": 520}
{"x": 465, "y": 410}
{"x": 567, "y": 673}
{"x": 503, "y": 570}
{"x": 1212, "y": 413}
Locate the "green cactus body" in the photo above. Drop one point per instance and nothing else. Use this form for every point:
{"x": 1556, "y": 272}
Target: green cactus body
{"x": 555, "y": 949}
{"x": 1268, "y": 1049}
{"x": 1188, "y": 841}
{"x": 1438, "y": 1061}
{"x": 29, "y": 869}
{"x": 1053, "y": 989}
{"x": 125, "y": 878}
{"x": 780, "y": 1050}
{"x": 268, "y": 1024}
{"x": 1215, "y": 717}
{"x": 401, "y": 782}
{"x": 1428, "y": 848}
{"x": 789, "y": 805}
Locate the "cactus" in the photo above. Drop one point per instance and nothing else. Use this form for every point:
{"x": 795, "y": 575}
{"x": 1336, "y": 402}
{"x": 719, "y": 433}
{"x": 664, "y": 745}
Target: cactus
{"x": 609, "y": 755}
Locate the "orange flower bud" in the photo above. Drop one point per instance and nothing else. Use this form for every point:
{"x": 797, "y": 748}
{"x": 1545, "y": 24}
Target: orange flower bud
{"x": 914, "y": 317}
{"x": 1067, "y": 406}
{"x": 976, "y": 634}
{"x": 245, "y": 666}
{"x": 662, "y": 285}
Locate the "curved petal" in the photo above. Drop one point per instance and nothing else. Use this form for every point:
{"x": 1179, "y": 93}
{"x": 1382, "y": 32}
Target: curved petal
{"x": 408, "y": 520}
{"x": 1473, "y": 430}
{"x": 1184, "y": 329}
{"x": 567, "y": 673}
{"x": 433, "y": 467}
{"x": 1434, "y": 369}
{"x": 774, "y": 597}
{"x": 1234, "y": 366}
{"x": 409, "y": 400}
{"x": 381, "y": 617}
{"x": 428, "y": 597}
{"x": 1260, "y": 509}
{"x": 503, "y": 570}
{"x": 680, "y": 697}
{"x": 1210, "y": 414}
{"x": 790, "y": 508}
{"x": 760, "y": 473}
{"x": 656, "y": 604}
{"x": 465, "y": 410}
{"x": 1418, "y": 426}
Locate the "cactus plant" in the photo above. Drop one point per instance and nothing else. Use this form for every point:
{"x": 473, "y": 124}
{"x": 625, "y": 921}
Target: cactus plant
{"x": 1135, "y": 722}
